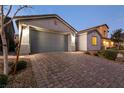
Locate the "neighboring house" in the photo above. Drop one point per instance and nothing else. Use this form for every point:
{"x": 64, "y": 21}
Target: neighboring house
{"x": 89, "y": 40}
{"x": 9, "y": 31}
{"x": 101, "y": 39}
{"x": 16, "y": 39}
{"x": 122, "y": 43}
{"x": 103, "y": 29}
{"x": 45, "y": 33}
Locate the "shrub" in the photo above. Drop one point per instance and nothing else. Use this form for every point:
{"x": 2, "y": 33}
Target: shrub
{"x": 95, "y": 54}
{"x": 101, "y": 52}
{"x": 110, "y": 54}
{"x": 3, "y": 80}
{"x": 121, "y": 47}
{"x": 11, "y": 64}
{"x": 103, "y": 48}
{"x": 20, "y": 65}
{"x": 113, "y": 48}
{"x": 88, "y": 53}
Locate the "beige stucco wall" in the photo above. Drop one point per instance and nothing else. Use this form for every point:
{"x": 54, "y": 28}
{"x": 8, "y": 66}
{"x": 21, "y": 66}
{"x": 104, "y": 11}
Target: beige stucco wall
{"x": 51, "y": 24}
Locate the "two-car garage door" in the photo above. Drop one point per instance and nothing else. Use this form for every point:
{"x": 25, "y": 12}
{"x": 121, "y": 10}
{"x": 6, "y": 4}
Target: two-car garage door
{"x": 47, "y": 42}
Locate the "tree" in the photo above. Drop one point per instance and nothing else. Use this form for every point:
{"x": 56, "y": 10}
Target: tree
{"x": 116, "y": 37}
{"x": 3, "y": 16}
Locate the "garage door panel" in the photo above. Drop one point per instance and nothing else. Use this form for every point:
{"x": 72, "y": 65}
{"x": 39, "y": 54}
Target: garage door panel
{"x": 47, "y": 42}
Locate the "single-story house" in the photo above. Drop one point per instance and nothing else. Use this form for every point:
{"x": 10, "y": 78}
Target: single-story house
{"x": 122, "y": 43}
{"x": 9, "y": 32}
{"x": 89, "y": 40}
{"x": 16, "y": 39}
{"x": 45, "y": 33}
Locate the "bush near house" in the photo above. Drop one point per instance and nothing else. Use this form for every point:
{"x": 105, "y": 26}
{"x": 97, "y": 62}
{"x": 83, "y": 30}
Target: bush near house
{"x": 88, "y": 53}
{"x": 95, "y": 54}
{"x": 20, "y": 65}
{"x": 113, "y": 48}
{"x": 3, "y": 80}
{"x": 103, "y": 48}
{"x": 101, "y": 52}
{"x": 121, "y": 47}
{"x": 110, "y": 54}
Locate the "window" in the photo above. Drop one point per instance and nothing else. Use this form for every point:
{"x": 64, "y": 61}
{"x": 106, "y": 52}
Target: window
{"x": 94, "y": 40}
{"x": 104, "y": 33}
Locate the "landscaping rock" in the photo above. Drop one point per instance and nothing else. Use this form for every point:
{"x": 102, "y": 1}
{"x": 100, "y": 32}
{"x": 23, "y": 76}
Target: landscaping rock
{"x": 120, "y": 57}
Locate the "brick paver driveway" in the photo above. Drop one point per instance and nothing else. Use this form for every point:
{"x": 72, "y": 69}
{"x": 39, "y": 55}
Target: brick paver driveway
{"x": 76, "y": 70}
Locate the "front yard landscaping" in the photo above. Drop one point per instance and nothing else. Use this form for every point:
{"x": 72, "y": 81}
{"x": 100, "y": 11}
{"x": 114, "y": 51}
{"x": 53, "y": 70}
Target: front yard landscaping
{"x": 110, "y": 54}
{"x": 23, "y": 78}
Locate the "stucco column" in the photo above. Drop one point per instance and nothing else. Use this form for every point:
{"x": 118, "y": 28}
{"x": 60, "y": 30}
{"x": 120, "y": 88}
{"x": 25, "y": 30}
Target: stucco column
{"x": 71, "y": 42}
{"x": 25, "y": 45}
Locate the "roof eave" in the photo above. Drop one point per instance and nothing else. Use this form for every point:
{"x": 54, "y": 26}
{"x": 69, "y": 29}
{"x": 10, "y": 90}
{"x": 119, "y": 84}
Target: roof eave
{"x": 18, "y": 18}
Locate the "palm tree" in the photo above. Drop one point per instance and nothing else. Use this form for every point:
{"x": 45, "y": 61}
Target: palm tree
{"x": 116, "y": 37}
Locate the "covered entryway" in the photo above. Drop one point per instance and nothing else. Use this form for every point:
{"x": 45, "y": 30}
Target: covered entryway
{"x": 41, "y": 41}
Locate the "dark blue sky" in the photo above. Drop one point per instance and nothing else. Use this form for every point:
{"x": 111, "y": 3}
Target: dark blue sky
{"x": 83, "y": 17}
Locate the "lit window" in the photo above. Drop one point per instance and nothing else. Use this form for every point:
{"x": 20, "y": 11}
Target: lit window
{"x": 94, "y": 40}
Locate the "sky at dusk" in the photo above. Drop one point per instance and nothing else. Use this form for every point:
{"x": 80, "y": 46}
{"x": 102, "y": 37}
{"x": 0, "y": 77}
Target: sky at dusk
{"x": 83, "y": 17}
